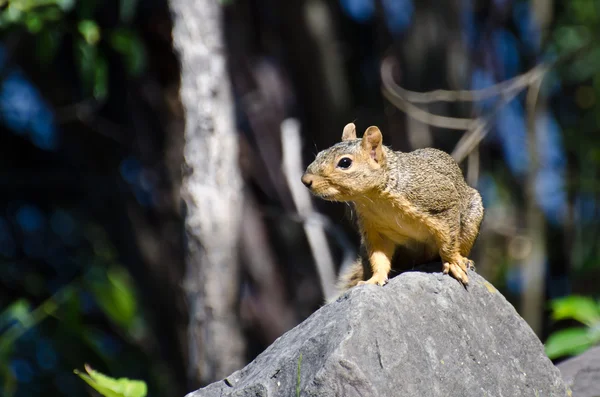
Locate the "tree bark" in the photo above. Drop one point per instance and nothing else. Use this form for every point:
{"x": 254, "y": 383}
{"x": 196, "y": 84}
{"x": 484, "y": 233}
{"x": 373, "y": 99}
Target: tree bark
{"x": 211, "y": 190}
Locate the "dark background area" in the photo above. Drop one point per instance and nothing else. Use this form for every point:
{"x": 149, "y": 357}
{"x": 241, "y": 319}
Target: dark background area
{"x": 92, "y": 130}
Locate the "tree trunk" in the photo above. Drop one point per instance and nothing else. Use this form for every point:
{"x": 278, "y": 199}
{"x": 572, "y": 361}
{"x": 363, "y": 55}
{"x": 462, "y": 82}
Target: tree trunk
{"x": 211, "y": 190}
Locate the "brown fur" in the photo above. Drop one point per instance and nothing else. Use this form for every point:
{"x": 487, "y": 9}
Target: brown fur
{"x": 418, "y": 201}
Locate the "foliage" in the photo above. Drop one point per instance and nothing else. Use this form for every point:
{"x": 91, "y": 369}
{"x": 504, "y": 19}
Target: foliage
{"x": 50, "y": 21}
{"x": 65, "y": 289}
{"x": 574, "y": 340}
{"x": 111, "y": 387}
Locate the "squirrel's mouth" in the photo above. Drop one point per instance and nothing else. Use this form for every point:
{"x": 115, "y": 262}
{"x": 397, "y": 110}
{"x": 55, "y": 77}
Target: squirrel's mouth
{"x": 329, "y": 194}
{"x": 325, "y": 196}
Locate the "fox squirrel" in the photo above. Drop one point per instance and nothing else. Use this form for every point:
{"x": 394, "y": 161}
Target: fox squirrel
{"x": 417, "y": 201}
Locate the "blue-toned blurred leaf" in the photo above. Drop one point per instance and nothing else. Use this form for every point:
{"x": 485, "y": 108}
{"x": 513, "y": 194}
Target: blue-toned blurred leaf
{"x": 527, "y": 25}
{"x": 129, "y": 45}
{"x": 111, "y": 387}
{"x": 571, "y": 341}
{"x": 89, "y": 30}
{"x": 507, "y": 50}
{"x": 30, "y": 218}
{"x": 22, "y": 369}
{"x": 359, "y": 10}
{"x": 580, "y": 308}
{"x": 511, "y": 130}
{"x": 398, "y": 14}
{"x": 550, "y": 188}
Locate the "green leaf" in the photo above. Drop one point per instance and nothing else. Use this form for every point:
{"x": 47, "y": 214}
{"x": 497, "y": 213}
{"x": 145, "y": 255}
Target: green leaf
{"x": 569, "y": 38}
{"x": 89, "y": 30}
{"x": 570, "y": 341}
{"x": 93, "y": 70}
{"x": 131, "y": 48}
{"x": 101, "y": 79}
{"x": 583, "y": 10}
{"x": 34, "y": 22}
{"x": 111, "y": 387}
{"x": 116, "y": 298}
{"x": 18, "y": 310}
{"x": 12, "y": 14}
{"x": 580, "y": 308}
{"x": 585, "y": 66}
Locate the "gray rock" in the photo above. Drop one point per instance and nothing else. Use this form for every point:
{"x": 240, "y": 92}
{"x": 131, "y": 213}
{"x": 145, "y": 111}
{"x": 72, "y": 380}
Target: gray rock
{"x": 582, "y": 373}
{"x": 421, "y": 335}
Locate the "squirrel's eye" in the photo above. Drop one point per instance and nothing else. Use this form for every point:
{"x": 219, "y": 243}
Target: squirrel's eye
{"x": 345, "y": 162}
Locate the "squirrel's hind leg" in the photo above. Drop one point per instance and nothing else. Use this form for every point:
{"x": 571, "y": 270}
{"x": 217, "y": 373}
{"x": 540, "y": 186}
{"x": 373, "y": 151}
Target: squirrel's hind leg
{"x": 447, "y": 236}
{"x": 470, "y": 221}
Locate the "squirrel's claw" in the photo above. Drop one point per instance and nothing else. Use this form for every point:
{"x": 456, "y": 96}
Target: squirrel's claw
{"x": 376, "y": 279}
{"x": 458, "y": 271}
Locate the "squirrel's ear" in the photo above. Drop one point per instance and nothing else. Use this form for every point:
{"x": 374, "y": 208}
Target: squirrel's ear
{"x": 349, "y": 132}
{"x": 372, "y": 141}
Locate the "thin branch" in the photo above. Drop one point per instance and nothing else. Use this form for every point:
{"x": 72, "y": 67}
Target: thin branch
{"x": 292, "y": 168}
{"x": 471, "y": 139}
{"x": 532, "y": 296}
{"x": 473, "y": 167}
{"x": 453, "y": 123}
{"x": 519, "y": 82}
{"x": 476, "y": 128}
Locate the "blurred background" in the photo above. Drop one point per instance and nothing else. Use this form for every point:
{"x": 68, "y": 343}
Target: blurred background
{"x": 93, "y": 263}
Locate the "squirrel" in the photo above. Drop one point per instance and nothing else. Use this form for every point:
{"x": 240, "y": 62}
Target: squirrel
{"x": 418, "y": 201}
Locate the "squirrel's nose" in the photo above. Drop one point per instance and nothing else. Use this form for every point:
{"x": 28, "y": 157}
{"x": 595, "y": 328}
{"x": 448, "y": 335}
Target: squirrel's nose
{"x": 307, "y": 180}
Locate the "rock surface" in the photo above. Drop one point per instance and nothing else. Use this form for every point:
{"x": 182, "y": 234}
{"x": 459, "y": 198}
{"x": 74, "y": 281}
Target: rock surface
{"x": 582, "y": 373}
{"x": 422, "y": 335}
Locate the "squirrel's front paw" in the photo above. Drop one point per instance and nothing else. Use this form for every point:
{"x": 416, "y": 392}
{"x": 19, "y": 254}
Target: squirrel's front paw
{"x": 458, "y": 269}
{"x": 377, "y": 279}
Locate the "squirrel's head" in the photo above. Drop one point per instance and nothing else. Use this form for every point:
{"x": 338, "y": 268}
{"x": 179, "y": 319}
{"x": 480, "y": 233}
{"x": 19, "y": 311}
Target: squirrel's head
{"x": 350, "y": 169}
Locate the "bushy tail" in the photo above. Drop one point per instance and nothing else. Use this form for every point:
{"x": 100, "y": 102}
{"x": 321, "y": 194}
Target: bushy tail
{"x": 349, "y": 278}
{"x": 470, "y": 222}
